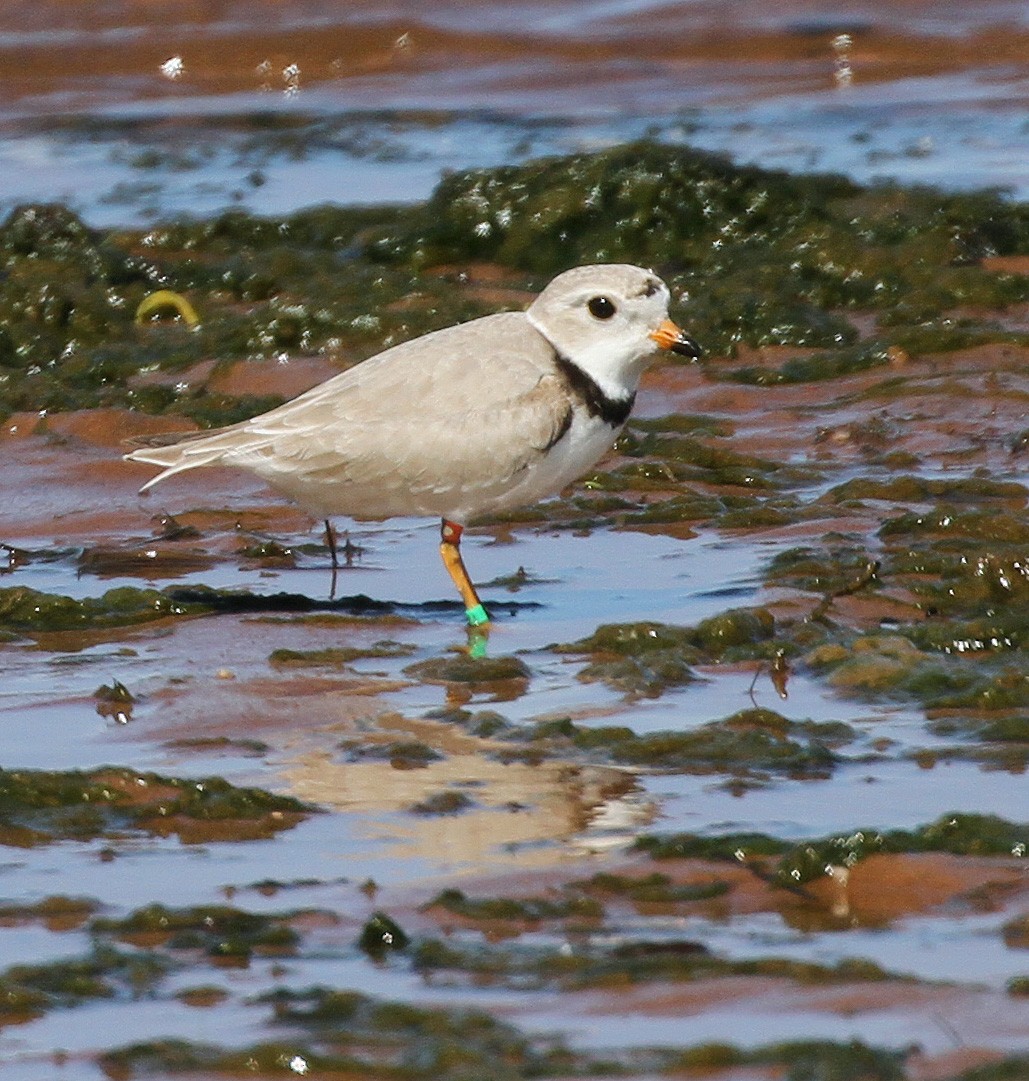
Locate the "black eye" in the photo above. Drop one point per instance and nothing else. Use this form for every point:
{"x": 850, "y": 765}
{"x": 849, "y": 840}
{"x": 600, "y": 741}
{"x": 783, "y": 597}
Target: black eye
{"x": 601, "y": 308}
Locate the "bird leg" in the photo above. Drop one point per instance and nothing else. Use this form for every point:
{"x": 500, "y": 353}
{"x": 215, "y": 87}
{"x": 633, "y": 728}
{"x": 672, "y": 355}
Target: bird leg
{"x": 330, "y": 540}
{"x": 450, "y": 550}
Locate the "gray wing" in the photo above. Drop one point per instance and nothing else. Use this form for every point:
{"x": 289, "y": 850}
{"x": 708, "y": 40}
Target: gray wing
{"x": 469, "y": 406}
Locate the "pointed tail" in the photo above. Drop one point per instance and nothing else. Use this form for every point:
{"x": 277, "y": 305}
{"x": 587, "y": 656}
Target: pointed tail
{"x": 176, "y": 452}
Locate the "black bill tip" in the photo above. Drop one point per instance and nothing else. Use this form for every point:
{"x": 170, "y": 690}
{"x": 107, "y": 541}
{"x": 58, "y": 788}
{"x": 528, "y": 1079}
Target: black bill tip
{"x": 685, "y": 346}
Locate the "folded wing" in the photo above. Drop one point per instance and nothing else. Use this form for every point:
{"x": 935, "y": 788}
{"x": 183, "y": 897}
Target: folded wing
{"x": 461, "y": 410}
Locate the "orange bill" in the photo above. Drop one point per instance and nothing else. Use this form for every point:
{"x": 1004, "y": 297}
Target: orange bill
{"x": 670, "y": 336}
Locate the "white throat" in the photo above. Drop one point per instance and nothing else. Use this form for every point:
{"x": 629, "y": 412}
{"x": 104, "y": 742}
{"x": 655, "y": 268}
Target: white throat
{"x": 610, "y": 364}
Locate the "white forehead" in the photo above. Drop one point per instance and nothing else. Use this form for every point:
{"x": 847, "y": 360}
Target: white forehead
{"x": 618, "y": 279}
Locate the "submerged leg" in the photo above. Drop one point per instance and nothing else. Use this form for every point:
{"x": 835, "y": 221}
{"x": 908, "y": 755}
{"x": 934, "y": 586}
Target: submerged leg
{"x": 450, "y": 550}
{"x": 330, "y": 540}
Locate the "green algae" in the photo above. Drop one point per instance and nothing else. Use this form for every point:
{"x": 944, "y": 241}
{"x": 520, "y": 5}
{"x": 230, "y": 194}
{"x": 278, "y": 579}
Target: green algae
{"x": 973, "y": 597}
{"x": 652, "y": 889}
{"x": 767, "y": 515}
{"x": 751, "y": 740}
{"x": 826, "y": 1061}
{"x": 382, "y": 935}
{"x": 357, "y": 1034}
{"x": 592, "y": 207}
{"x": 914, "y": 489}
{"x": 678, "y": 424}
{"x": 637, "y": 476}
{"x": 764, "y": 258}
{"x": 1016, "y": 933}
{"x": 869, "y": 664}
{"x": 961, "y": 566}
{"x": 983, "y": 702}
{"x": 895, "y": 339}
{"x": 980, "y": 526}
{"x": 68, "y": 300}
{"x": 338, "y": 656}
{"x": 647, "y": 658}
{"x": 729, "y": 847}
{"x": 57, "y": 912}
{"x": 42, "y": 806}
{"x": 29, "y": 611}
{"x": 632, "y": 639}
{"x": 210, "y": 599}
{"x": 220, "y": 931}
{"x": 733, "y": 744}
{"x": 960, "y": 834}
{"x": 683, "y": 458}
{"x": 450, "y": 801}
{"x": 635, "y": 202}
{"x": 963, "y": 578}
{"x": 641, "y": 961}
{"x": 685, "y": 960}
{"x": 723, "y": 634}
{"x": 795, "y": 864}
{"x": 527, "y": 909}
{"x": 1007, "y": 689}
{"x": 354, "y": 1035}
{"x": 648, "y": 675}
{"x": 712, "y": 638}
{"x": 401, "y": 754}
{"x": 830, "y": 569}
{"x": 20, "y": 1001}
{"x": 29, "y": 990}
{"x": 207, "y": 744}
{"x": 1012, "y": 728}
{"x": 1012, "y": 1068}
{"x": 688, "y": 507}
{"x": 468, "y": 669}
{"x": 270, "y": 553}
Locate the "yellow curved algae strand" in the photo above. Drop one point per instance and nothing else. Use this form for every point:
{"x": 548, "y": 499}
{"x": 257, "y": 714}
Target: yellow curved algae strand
{"x": 163, "y": 300}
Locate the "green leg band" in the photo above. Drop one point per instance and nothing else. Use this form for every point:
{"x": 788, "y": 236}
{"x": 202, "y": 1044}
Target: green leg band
{"x": 476, "y": 616}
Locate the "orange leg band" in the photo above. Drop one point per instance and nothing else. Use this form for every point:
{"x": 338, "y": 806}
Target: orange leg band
{"x": 450, "y": 550}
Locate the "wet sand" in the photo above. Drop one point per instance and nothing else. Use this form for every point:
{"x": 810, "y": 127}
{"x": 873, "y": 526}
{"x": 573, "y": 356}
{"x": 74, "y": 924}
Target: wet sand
{"x": 208, "y": 699}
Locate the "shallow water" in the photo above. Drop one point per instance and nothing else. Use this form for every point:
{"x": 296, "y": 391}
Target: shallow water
{"x": 48, "y": 720}
{"x": 367, "y": 103}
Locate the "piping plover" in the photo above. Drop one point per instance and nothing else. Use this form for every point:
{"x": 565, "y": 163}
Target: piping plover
{"x": 466, "y": 421}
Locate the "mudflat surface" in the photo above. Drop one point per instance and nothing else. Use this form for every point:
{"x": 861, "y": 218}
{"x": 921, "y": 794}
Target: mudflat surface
{"x": 502, "y": 798}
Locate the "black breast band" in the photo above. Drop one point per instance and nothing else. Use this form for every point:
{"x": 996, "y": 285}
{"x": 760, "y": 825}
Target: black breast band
{"x": 613, "y": 411}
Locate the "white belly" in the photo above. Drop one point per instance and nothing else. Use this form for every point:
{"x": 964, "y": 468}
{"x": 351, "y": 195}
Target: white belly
{"x": 583, "y": 445}
{"x": 326, "y": 493}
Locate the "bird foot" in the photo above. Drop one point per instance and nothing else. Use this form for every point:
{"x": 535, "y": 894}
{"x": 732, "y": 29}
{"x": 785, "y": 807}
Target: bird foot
{"x": 478, "y": 641}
